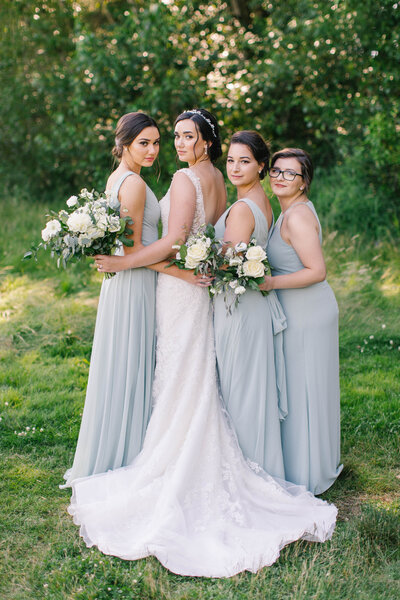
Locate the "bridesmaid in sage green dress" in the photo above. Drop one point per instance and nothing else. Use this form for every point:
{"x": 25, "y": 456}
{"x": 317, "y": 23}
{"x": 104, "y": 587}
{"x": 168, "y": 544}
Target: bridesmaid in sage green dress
{"x": 311, "y": 431}
{"x": 249, "y": 341}
{"x": 118, "y": 397}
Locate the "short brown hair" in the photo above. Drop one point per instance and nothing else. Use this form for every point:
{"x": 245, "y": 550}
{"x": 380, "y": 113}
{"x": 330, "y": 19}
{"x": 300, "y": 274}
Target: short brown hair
{"x": 307, "y": 169}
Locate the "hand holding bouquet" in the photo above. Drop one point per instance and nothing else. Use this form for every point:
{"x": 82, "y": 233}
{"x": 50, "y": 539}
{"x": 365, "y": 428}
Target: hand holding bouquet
{"x": 90, "y": 225}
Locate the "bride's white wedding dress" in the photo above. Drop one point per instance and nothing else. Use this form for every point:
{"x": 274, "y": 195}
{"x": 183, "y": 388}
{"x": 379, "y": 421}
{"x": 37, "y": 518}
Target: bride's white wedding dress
{"x": 190, "y": 498}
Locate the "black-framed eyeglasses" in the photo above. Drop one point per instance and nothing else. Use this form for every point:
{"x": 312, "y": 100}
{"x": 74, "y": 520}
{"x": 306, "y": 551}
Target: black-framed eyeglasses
{"x": 287, "y": 174}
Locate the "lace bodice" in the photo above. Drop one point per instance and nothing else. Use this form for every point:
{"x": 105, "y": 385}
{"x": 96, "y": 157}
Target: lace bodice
{"x": 199, "y": 215}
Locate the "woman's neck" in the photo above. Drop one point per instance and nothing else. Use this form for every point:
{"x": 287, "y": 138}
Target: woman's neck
{"x": 286, "y": 203}
{"x": 198, "y": 162}
{"x": 126, "y": 166}
{"x": 243, "y": 191}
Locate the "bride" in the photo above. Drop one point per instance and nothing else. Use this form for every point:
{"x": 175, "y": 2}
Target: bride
{"x": 190, "y": 498}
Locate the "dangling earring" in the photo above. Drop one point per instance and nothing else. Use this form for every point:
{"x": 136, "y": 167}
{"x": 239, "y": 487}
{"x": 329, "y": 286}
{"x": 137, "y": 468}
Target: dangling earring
{"x": 206, "y": 150}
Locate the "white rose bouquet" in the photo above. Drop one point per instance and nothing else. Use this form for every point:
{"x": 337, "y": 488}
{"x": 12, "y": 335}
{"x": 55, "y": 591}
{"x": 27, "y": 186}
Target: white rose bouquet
{"x": 201, "y": 252}
{"x": 243, "y": 267}
{"x": 90, "y": 225}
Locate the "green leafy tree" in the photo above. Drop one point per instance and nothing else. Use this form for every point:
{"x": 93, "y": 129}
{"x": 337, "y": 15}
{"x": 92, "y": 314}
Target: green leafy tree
{"x": 321, "y": 74}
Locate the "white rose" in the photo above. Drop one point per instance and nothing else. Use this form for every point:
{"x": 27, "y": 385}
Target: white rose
{"x": 51, "y": 229}
{"x": 72, "y": 201}
{"x": 114, "y": 224}
{"x": 45, "y": 235}
{"x": 86, "y": 194}
{"x": 253, "y": 268}
{"x": 240, "y": 290}
{"x": 240, "y": 247}
{"x": 54, "y": 226}
{"x": 191, "y": 263}
{"x": 235, "y": 261}
{"x": 197, "y": 252}
{"x": 79, "y": 221}
{"x": 256, "y": 253}
{"x": 233, "y": 284}
{"x": 93, "y": 232}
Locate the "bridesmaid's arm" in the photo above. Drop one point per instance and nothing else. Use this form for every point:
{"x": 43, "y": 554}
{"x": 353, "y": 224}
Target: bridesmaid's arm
{"x": 187, "y": 275}
{"x": 132, "y": 197}
{"x": 239, "y": 224}
{"x": 301, "y": 232}
{"x": 182, "y": 209}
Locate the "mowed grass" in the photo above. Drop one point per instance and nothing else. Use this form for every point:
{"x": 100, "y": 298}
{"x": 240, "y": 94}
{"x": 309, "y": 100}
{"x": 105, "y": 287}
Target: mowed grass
{"x": 46, "y": 327}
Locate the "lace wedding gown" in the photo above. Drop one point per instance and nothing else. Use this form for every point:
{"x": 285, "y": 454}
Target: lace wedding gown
{"x": 190, "y": 498}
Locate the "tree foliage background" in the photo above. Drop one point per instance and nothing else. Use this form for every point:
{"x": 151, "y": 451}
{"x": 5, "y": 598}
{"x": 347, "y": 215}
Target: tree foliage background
{"x": 319, "y": 74}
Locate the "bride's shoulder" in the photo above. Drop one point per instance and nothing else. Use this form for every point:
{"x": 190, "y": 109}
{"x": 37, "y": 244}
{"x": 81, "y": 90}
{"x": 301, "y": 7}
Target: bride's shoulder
{"x": 183, "y": 176}
{"x": 183, "y": 183}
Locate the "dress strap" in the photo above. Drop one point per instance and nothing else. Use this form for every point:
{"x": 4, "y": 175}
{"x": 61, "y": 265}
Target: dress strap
{"x": 271, "y": 229}
{"x": 251, "y": 204}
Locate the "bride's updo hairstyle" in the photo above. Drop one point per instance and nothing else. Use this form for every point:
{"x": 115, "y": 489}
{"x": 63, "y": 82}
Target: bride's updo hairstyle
{"x": 128, "y": 128}
{"x": 256, "y": 143}
{"x": 307, "y": 168}
{"x": 207, "y": 125}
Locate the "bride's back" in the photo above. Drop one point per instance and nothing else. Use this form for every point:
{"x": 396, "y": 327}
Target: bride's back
{"x": 213, "y": 189}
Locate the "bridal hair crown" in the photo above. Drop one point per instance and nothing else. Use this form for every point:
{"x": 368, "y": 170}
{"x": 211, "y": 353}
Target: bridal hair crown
{"x": 197, "y": 112}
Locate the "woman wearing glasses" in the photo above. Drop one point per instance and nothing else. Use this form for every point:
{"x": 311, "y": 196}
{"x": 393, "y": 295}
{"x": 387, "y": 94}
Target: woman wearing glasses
{"x": 311, "y": 430}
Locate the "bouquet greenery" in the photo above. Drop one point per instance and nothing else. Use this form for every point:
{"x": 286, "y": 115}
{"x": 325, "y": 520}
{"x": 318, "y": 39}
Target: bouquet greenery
{"x": 91, "y": 224}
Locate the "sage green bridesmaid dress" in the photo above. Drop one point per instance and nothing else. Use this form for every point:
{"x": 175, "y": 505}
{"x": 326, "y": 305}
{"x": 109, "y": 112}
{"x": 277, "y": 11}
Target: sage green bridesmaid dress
{"x": 119, "y": 391}
{"x": 249, "y": 348}
{"x": 311, "y": 430}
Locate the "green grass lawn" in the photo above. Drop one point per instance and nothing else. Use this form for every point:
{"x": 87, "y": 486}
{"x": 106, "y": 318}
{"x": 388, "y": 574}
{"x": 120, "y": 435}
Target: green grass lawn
{"x": 46, "y": 326}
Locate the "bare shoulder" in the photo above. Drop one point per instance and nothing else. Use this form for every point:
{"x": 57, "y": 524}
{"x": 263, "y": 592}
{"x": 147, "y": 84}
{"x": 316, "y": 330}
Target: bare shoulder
{"x": 132, "y": 190}
{"x": 240, "y": 211}
{"x": 301, "y": 217}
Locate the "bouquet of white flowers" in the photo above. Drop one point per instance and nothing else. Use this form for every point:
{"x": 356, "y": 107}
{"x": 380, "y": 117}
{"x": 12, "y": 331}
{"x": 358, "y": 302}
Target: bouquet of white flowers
{"x": 90, "y": 225}
{"x": 243, "y": 267}
{"x": 201, "y": 252}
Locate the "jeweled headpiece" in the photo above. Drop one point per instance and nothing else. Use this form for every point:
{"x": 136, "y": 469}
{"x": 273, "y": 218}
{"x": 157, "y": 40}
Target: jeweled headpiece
{"x": 197, "y": 112}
